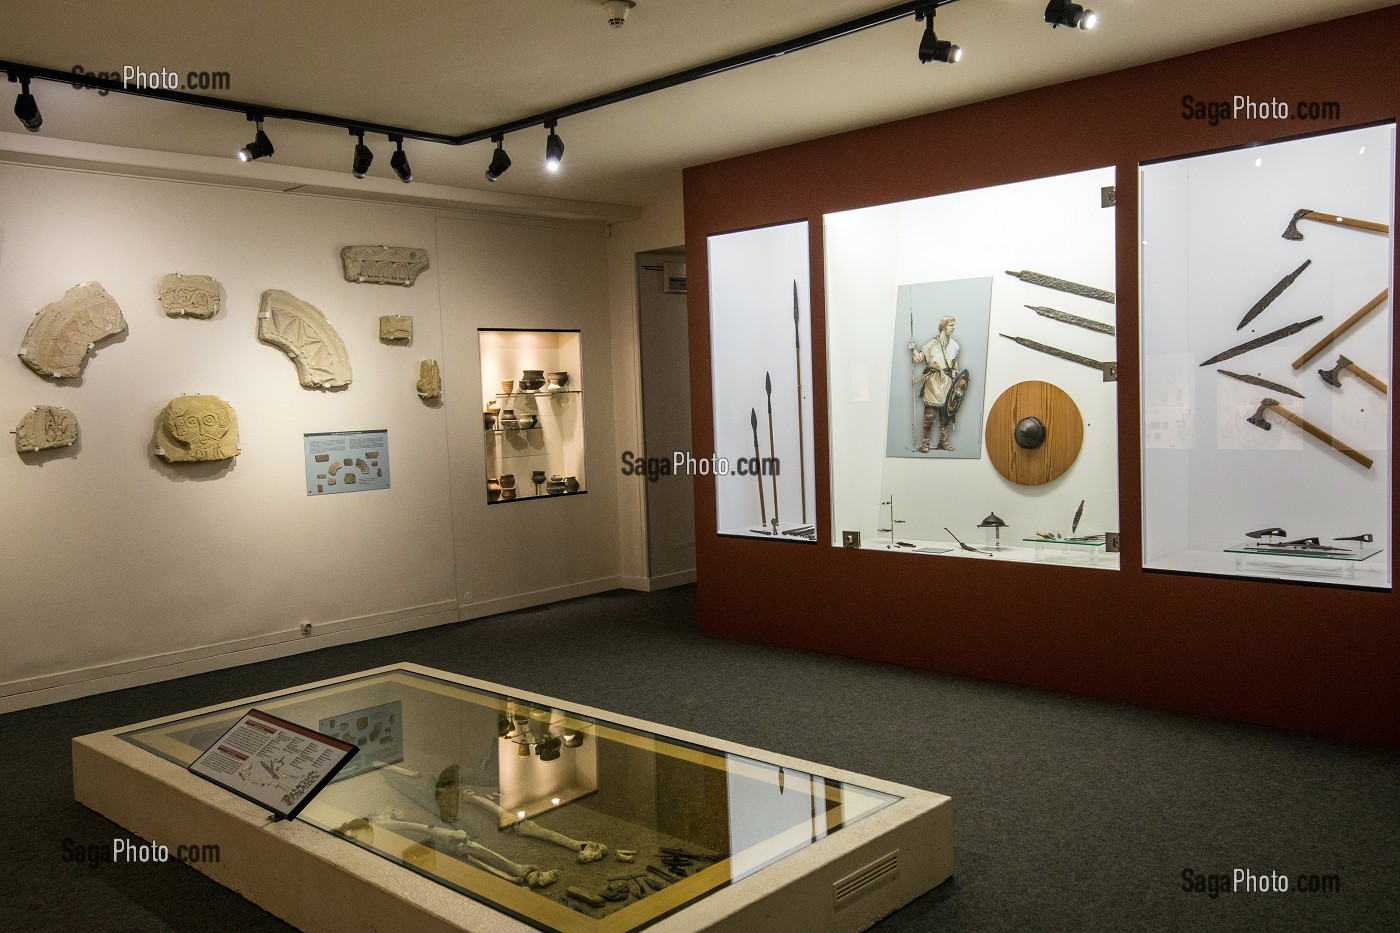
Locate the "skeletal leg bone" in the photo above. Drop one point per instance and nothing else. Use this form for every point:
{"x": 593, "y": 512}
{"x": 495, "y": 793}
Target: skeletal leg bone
{"x": 587, "y": 851}
{"x": 529, "y": 875}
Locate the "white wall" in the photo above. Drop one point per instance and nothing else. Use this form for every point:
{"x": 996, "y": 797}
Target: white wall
{"x": 118, "y": 568}
{"x": 660, "y": 226}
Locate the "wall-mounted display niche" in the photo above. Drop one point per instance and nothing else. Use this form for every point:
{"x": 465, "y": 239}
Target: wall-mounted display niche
{"x": 760, "y": 352}
{"x": 971, "y": 357}
{"x": 1266, "y": 348}
{"x": 532, "y": 387}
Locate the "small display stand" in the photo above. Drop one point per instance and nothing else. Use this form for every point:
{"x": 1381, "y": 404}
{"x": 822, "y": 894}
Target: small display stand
{"x": 1090, "y": 545}
{"x": 1296, "y": 562}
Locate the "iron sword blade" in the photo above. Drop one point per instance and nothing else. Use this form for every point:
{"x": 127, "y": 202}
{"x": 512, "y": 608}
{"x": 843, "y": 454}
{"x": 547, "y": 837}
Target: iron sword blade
{"x": 1065, "y": 317}
{"x": 1265, "y": 340}
{"x": 1062, "y": 285}
{"x": 1262, "y": 383}
{"x": 1273, "y": 293}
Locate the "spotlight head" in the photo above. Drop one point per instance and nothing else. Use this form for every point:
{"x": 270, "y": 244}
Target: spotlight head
{"x": 259, "y": 148}
{"x": 27, "y": 108}
{"x": 399, "y": 161}
{"x": 553, "y": 148}
{"x": 933, "y": 49}
{"x": 363, "y": 157}
{"x": 499, "y": 160}
{"x": 1065, "y": 13}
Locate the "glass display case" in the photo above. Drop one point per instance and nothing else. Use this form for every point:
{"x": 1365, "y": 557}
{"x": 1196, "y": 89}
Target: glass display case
{"x": 761, "y": 361}
{"x": 1266, "y": 347}
{"x": 566, "y": 821}
{"x": 532, "y": 387}
{"x": 971, "y": 348}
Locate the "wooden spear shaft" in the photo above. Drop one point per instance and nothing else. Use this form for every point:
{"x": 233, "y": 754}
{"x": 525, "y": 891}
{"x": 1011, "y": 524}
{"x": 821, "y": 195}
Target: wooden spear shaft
{"x": 801, "y": 445}
{"x": 758, "y": 464}
{"x": 773, "y": 451}
{"x": 1341, "y": 328}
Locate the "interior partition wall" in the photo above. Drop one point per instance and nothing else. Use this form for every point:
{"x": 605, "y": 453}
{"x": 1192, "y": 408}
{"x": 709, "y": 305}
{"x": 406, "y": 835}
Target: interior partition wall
{"x": 1294, "y": 653}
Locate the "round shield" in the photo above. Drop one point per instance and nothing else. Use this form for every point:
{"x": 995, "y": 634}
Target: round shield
{"x": 956, "y": 392}
{"x": 1063, "y": 433}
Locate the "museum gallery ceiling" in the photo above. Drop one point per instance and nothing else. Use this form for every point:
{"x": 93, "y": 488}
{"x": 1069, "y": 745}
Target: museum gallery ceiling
{"x": 454, "y": 68}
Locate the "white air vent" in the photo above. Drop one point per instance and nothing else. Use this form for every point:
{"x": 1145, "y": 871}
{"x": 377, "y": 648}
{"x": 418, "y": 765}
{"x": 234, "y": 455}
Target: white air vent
{"x": 673, "y": 278}
{"x": 885, "y": 868}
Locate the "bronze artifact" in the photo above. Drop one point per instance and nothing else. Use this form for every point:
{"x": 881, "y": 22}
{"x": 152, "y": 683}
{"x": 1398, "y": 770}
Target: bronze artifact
{"x": 1064, "y": 317}
{"x": 1273, "y": 293}
{"x": 1262, "y": 383}
{"x": 1265, "y": 340}
{"x": 1063, "y": 285}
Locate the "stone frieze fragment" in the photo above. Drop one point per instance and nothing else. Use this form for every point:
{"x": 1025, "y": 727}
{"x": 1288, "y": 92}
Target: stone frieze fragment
{"x": 383, "y": 265}
{"x": 197, "y": 428}
{"x": 62, "y": 333}
{"x": 44, "y": 427}
{"x": 301, "y": 331}
{"x": 429, "y": 379}
{"x": 396, "y": 327}
{"x": 195, "y": 296}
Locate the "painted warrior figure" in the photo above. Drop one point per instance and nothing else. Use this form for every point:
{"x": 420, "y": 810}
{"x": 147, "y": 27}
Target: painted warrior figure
{"x": 940, "y": 359}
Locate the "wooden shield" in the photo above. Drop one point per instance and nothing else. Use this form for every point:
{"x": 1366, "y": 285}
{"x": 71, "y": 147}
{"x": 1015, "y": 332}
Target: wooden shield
{"x": 1064, "y": 433}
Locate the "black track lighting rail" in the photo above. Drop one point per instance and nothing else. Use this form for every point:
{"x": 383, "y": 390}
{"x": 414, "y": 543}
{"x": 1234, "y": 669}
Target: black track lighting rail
{"x": 16, "y": 70}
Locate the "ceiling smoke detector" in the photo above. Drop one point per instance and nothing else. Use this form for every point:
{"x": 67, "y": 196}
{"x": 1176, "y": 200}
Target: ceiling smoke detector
{"x": 616, "y": 11}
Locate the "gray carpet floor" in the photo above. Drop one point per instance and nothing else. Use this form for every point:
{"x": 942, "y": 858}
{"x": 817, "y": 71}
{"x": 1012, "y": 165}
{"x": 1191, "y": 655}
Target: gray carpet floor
{"x": 1072, "y": 814}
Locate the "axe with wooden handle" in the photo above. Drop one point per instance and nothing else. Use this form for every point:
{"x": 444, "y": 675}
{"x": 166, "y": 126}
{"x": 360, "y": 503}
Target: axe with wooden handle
{"x": 1333, "y": 376}
{"x": 1293, "y": 233}
{"x": 1259, "y": 421}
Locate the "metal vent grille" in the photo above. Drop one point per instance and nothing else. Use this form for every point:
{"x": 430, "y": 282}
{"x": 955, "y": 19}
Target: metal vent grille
{"x": 885, "y": 868}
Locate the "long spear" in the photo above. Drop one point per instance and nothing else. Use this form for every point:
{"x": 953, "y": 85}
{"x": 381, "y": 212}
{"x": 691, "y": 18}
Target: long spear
{"x": 801, "y": 446}
{"x": 758, "y": 461}
{"x": 919, "y": 390}
{"x": 768, "y": 386}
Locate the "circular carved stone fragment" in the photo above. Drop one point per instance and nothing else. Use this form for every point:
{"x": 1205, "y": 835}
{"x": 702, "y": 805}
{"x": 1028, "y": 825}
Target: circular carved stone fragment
{"x": 1029, "y": 433}
{"x": 1062, "y": 433}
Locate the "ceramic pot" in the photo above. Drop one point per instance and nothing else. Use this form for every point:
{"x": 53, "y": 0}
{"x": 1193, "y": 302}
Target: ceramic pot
{"x": 555, "y": 486}
{"x": 531, "y": 380}
{"x": 507, "y": 386}
{"x": 493, "y": 489}
{"x": 571, "y": 484}
{"x": 538, "y": 477}
{"x": 507, "y": 494}
{"x": 558, "y": 380}
{"x": 507, "y": 481}
{"x": 488, "y": 418}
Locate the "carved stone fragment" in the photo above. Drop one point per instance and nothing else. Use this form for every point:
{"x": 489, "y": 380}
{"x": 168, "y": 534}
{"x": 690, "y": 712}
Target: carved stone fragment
{"x": 301, "y": 331}
{"x": 429, "y": 380}
{"x": 62, "y": 333}
{"x": 383, "y": 265}
{"x": 44, "y": 427}
{"x": 196, "y": 428}
{"x": 195, "y": 296}
{"x": 396, "y": 327}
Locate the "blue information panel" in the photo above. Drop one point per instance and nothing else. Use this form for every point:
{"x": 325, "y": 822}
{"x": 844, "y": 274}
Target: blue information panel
{"x": 346, "y": 461}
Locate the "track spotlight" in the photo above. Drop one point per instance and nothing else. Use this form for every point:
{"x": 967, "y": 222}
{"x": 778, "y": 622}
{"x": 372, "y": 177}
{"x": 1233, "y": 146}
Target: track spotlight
{"x": 260, "y": 147}
{"x": 399, "y": 161}
{"x": 1064, "y": 13}
{"x": 363, "y": 157}
{"x": 931, "y": 48}
{"x": 500, "y": 161}
{"x": 553, "y": 148}
{"x": 27, "y": 108}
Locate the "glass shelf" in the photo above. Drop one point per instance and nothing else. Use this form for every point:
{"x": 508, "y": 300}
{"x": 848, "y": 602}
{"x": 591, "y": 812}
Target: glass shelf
{"x": 540, "y": 392}
{"x": 510, "y": 430}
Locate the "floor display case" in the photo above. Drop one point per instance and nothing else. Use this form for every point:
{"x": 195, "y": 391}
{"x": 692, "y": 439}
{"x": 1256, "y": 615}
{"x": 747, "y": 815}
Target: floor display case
{"x": 558, "y": 818}
{"x": 532, "y": 384}
{"x": 971, "y": 347}
{"x": 1266, "y": 349}
{"x": 760, "y": 346}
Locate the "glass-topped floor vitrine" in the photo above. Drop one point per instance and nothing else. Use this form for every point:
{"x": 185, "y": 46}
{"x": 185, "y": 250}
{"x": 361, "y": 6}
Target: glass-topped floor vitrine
{"x": 564, "y": 818}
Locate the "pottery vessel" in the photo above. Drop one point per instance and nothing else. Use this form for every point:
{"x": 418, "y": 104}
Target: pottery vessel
{"x": 488, "y": 418}
{"x": 493, "y": 489}
{"x": 507, "y": 494}
{"x": 571, "y": 484}
{"x": 555, "y": 486}
{"x": 507, "y": 386}
{"x": 507, "y": 481}
{"x": 557, "y": 381}
{"x": 531, "y": 380}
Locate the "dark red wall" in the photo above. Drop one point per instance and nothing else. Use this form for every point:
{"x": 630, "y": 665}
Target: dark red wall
{"x": 1314, "y": 658}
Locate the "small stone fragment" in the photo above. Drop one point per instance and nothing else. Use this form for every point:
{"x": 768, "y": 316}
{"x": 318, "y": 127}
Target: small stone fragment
{"x": 429, "y": 380}
{"x": 195, "y": 296}
{"x": 44, "y": 427}
{"x": 396, "y": 327}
